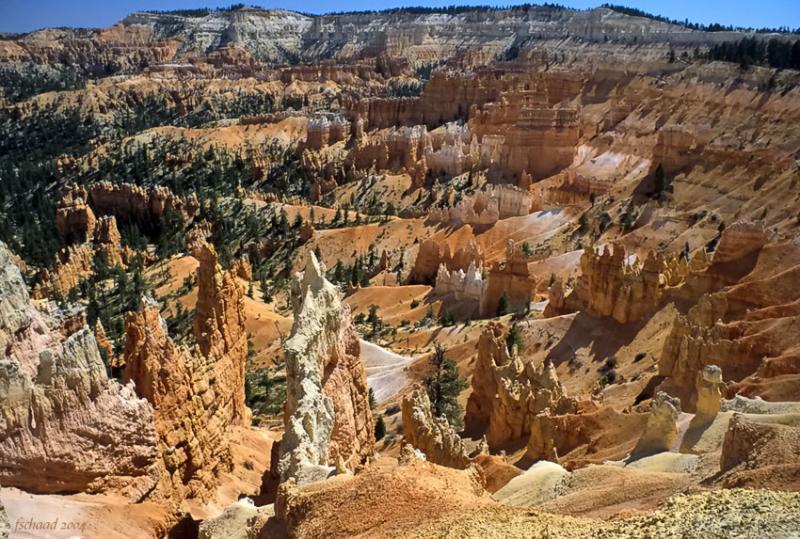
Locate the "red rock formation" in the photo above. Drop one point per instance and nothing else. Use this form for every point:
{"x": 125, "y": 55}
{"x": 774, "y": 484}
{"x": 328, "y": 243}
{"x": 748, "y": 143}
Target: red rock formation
{"x": 194, "y": 451}
{"x": 761, "y": 451}
{"x": 591, "y": 436}
{"x": 134, "y": 203}
{"x": 695, "y": 341}
{"x": 512, "y": 278}
{"x": 72, "y": 264}
{"x": 507, "y": 393}
{"x": 432, "y": 254}
{"x": 64, "y": 425}
{"x": 431, "y": 435}
{"x": 75, "y": 220}
{"x": 242, "y": 268}
{"x": 610, "y": 286}
{"x": 739, "y": 240}
{"x": 306, "y": 233}
{"x": 195, "y": 394}
{"x": 220, "y": 335}
{"x": 555, "y": 299}
{"x": 104, "y": 345}
{"x": 108, "y": 242}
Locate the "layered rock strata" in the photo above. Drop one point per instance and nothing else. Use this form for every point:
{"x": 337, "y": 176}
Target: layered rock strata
{"x": 197, "y": 394}
{"x": 75, "y": 220}
{"x": 133, "y": 203}
{"x": 433, "y": 254}
{"x": 610, "y": 285}
{"x": 61, "y": 414}
{"x": 688, "y": 347}
{"x": 485, "y": 207}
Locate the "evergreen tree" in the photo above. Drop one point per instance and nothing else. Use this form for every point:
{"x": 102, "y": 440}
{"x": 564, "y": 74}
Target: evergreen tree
{"x": 514, "y": 338}
{"x": 660, "y": 179}
{"x": 265, "y": 293}
{"x": 380, "y": 428}
{"x": 373, "y": 319}
{"x": 371, "y": 398}
{"x": 503, "y": 304}
{"x": 338, "y": 272}
{"x": 444, "y": 387}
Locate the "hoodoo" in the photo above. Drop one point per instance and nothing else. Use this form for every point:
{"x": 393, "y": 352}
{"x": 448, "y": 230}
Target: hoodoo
{"x": 418, "y": 272}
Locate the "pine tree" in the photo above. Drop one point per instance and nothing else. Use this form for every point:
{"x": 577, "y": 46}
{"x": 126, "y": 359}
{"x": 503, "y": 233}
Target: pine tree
{"x": 444, "y": 387}
{"x": 371, "y": 399}
{"x": 338, "y": 272}
{"x": 660, "y": 179}
{"x": 380, "y": 428}
{"x": 373, "y": 319}
{"x": 514, "y": 338}
{"x": 503, "y": 304}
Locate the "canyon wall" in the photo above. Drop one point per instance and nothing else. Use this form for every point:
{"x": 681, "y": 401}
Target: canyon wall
{"x": 61, "y": 414}
{"x": 609, "y": 285}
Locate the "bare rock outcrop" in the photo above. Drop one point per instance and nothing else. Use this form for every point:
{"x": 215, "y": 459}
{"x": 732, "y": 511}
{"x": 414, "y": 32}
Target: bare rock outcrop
{"x": 196, "y": 393}
{"x": 591, "y": 435}
{"x": 89, "y": 237}
{"x": 556, "y": 302}
{"x": 485, "y": 207}
{"x": 740, "y": 239}
{"x": 661, "y": 429}
{"x": 134, "y": 203}
{"x": 219, "y": 328}
{"x": 687, "y": 349}
{"x": 433, "y": 254}
{"x": 71, "y": 264}
{"x": 507, "y": 393}
{"x": 432, "y": 435}
{"x": 61, "y": 414}
{"x": 761, "y": 450}
{"x": 610, "y": 285}
{"x": 75, "y": 220}
{"x": 512, "y": 278}
{"x": 326, "y": 415}
{"x": 708, "y": 394}
{"x": 242, "y": 268}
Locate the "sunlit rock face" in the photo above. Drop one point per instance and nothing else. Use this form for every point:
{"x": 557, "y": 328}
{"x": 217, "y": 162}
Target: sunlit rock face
{"x": 62, "y": 416}
{"x": 327, "y": 417}
{"x": 431, "y": 435}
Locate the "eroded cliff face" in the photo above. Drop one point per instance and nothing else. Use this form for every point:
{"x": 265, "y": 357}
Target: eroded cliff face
{"x": 433, "y": 254}
{"x": 327, "y": 419}
{"x": 197, "y": 394}
{"x": 610, "y": 285}
{"x": 507, "y": 392}
{"x": 140, "y": 205}
{"x": 75, "y": 220}
{"x": 219, "y": 327}
{"x": 62, "y": 416}
{"x": 431, "y": 435}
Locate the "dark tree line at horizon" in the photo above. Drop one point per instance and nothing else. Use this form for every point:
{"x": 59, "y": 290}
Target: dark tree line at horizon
{"x": 776, "y": 52}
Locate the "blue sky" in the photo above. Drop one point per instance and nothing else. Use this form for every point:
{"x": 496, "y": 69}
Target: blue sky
{"x": 26, "y": 15}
